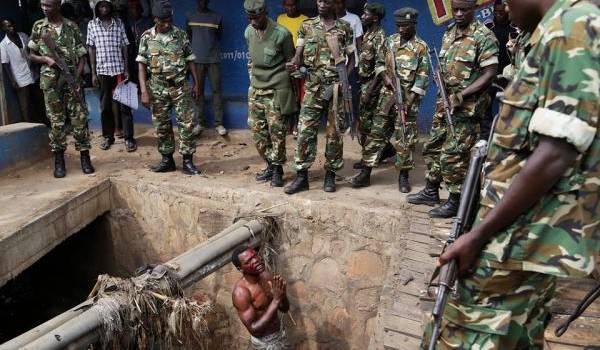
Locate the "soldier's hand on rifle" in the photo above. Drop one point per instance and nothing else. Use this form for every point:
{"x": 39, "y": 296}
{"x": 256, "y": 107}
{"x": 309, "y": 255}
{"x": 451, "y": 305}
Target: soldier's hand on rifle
{"x": 388, "y": 82}
{"x": 465, "y": 249}
{"x": 456, "y": 100}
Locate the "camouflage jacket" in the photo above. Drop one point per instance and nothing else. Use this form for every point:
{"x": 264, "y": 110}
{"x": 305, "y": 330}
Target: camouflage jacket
{"x": 556, "y": 94}
{"x": 166, "y": 56}
{"x": 372, "y": 43}
{"x": 463, "y": 56}
{"x": 317, "y": 54}
{"x": 69, "y": 46}
{"x": 411, "y": 61}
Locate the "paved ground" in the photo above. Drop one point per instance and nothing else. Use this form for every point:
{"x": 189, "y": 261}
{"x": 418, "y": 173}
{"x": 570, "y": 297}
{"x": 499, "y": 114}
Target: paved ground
{"x": 231, "y": 161}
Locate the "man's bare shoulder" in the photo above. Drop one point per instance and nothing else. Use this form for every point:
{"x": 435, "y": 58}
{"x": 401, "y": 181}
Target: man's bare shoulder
{"x": 241, "y": 295}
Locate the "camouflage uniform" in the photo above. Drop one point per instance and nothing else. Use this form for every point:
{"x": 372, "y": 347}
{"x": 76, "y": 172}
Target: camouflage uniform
{"x": 270, "y": 96}
{"x": 555, "y": 93}
{"x": 462, "y": 57}
{"x": 60, "y": 99}
{"x": 166, "y": 57}
{"x": 372, "y": 43}
{"x": 322, "y": 74}
{"x": 412, "y": 66}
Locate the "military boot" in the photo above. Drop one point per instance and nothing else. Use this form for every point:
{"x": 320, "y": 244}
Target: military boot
{"x": 277, "y": 178}
{"x": 86, "y": 163}
{"x": 329, "y": 183}
{"x": 403, "y": 184}
{"x": 448, "y": 209}
{"x": 266, "y": 173}
{"x": 299, "y": 184}
{"x": 167, "y": 164}
{"x": 363, "y": 179}
{"x": 59, "y": 165}
{"x": 430, "y": 195}
{"x": 387, "y": 152}
{"x": 188, "y": 165}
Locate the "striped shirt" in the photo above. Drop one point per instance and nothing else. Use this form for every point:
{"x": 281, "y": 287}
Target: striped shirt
{"x": 108, "y": 42}
{"x": 206, "y": 28}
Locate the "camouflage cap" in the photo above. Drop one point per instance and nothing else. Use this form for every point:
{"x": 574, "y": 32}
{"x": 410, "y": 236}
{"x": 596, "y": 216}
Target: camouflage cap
{"x": 375, "y": 8}
{"x": 254, "y": 7}
{"x": 162, "y": 9}
{"x": 406, "y": 15}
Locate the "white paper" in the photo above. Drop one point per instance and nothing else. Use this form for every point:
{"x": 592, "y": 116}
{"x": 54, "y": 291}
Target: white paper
{"x": 127, "y": 94}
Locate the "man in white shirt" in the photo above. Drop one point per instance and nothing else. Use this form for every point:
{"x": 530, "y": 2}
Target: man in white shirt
{"x": 16, "y": 65}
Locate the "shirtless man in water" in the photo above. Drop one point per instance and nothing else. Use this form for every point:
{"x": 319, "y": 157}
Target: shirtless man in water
{"x": 257, "y": 297}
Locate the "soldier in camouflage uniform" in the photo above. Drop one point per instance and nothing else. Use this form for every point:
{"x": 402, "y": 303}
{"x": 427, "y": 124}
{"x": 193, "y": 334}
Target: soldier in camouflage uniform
{"x": 61, "y": 98}
{"x": 323, "y": 93}
{"x": 165, "y": 54}
{"x": 270, "y": 96}
{"x": 469, "y": 61}
{"x": 405, "y": 55}
{"x": 538, "y": 216}
{"x": 372, "y": 42}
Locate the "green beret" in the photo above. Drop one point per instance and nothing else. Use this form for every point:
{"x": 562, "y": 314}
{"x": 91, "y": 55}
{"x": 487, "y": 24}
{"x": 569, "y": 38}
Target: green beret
{"x": 162, "y": 9}
{"x": 375, "y": 8}
{"x": 254, "y": 7}
{"x": 406, "y": 15}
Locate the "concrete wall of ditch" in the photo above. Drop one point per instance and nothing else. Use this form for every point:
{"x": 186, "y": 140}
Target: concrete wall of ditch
{"x": 335, "y": 268}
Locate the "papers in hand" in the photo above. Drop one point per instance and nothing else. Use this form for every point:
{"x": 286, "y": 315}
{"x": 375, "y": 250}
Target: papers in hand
{"x": 127, "y": 94}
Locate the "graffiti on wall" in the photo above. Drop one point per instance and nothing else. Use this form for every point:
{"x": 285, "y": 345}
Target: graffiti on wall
{"x": 441, "y": 12}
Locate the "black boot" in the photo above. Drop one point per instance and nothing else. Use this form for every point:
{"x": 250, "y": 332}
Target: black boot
{"x": 167, "y": 164}
{"x": 387, "y": 152}
{"x": 299, "y": 184}
{"x": 277, "y": 178}
{"x": 403, "y": 184}
{"x": 363, "y": 179}
{"x": 430, "y": 195}
{"x": 265, "y": 174}
{"x": 358, "y": 165}
{"x": 60, "y": 170}
{"x": 329, "y": 183}
{"x": 188, "y": 165}
{"x": 448, "y": 209}
{"x": 86, "y": 163}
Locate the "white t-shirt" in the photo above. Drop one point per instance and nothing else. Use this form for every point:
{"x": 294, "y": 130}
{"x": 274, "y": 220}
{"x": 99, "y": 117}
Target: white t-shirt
{"x": 18, "y": 59}
{"x": 357, "y": 30}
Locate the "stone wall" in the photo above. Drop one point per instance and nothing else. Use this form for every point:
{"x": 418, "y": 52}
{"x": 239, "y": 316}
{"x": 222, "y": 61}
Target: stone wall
{"x": 333, "y": 255}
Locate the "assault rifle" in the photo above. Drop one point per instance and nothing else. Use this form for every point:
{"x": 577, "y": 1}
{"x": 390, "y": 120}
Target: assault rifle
{"x": 438, "y": 78}
{"x": 462, "y": 223}
{"x": 65, "y": 73}
{"x": 340, "y": 67}
{"x": 397, "y": 87}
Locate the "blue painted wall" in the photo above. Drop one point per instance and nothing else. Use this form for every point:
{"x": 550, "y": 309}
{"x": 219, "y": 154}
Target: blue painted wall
{"x": 233, "y": 67}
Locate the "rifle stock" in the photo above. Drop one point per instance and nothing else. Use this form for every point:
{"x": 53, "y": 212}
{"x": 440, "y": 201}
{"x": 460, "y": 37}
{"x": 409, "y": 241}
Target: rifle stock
{"x": 439, "y": 81}
{"x": 462, "y": 223}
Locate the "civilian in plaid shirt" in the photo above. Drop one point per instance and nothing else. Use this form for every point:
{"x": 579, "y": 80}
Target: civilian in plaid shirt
{"x": 107, "y": 43}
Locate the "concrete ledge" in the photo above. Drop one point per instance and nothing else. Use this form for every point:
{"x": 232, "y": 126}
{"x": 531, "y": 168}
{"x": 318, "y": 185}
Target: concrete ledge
{"x": 22, "y": 144}
{"x": 24, "y": 247}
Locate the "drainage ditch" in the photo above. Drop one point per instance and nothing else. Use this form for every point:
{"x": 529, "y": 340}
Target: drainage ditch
{"x": 334, "y": 257}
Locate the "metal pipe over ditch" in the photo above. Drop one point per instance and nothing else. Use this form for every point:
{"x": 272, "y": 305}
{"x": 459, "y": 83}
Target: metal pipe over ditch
{"x": 78, "y": 327}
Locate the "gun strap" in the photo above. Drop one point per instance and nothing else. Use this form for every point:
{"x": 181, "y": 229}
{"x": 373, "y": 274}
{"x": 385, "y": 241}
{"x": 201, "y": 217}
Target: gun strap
{"x": 591, "y": 296}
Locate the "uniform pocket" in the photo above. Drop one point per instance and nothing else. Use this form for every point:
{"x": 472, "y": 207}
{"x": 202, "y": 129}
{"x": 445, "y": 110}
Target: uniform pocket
{"x": 407, "y": 70}
{"x": 269, "y": 56}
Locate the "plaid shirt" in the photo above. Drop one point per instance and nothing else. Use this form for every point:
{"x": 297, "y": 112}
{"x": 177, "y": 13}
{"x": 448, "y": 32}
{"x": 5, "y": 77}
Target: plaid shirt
{"x": 108, "y": 42}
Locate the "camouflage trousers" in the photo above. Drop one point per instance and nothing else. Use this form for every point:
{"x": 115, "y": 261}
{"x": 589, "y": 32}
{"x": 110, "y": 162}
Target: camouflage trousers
{"x": 496, "y": 309}
{"x": 385, "y": 123}
{"x": 164, "y": 97}
{"x": 313, "y": 106}
{"x": 447, "y": 156}
{"x": 366, "y": 112}
{"x": 62, "y": 102}
{"x": 267, "y": 124}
